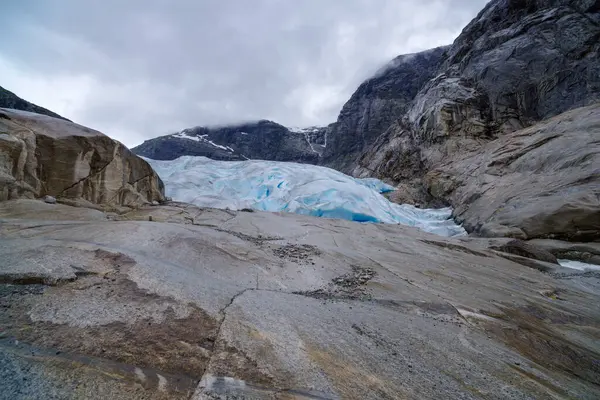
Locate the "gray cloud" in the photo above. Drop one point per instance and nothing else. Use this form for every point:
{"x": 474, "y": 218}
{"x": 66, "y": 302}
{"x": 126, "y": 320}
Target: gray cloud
{"x": 141, "y": 68}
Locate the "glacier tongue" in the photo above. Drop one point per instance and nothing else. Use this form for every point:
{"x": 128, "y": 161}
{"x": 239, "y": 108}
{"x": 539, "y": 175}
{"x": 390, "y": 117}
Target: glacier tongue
{"x": 291, "y": 187}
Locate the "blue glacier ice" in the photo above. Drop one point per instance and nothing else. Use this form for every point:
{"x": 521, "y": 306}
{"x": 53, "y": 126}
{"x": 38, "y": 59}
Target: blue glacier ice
{"x": 291, "y": 187}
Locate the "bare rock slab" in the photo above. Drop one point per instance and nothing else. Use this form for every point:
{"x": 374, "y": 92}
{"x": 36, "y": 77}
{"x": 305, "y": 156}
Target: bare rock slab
{"x": 215, "y": 304}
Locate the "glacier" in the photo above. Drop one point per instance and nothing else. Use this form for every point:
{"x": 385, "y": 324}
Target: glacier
{"x": 291, "y": 187}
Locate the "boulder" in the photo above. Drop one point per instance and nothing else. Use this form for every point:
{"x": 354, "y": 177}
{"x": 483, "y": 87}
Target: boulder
{"x": 50, "y": 199}
{"x": 44, "y": 156}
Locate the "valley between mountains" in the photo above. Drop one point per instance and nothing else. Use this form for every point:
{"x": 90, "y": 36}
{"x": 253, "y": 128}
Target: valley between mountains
{"x": 439, "y": 240}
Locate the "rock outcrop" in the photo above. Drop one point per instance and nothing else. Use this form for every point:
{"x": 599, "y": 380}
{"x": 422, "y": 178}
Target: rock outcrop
{"x": 44, "y": 156}
{"x": 10, "y": 100}
{"x": 539, "y": 182}
{"x": 216, "y": 304}
{"x": 516, "y": 63}
{"x": 262, "y": 140}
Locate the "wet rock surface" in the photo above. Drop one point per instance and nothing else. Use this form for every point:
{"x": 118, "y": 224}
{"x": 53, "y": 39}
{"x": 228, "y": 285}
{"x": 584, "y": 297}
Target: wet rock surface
{"x": 203, "y": 303}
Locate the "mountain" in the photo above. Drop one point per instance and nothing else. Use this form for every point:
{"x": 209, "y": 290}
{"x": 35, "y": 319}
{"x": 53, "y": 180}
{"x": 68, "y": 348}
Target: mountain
{"x": 516, "y": 63}
{"x": 496, "y": 117}
{"x": 10, "y": 100}
{"x": 373, "y": 107}
{"x": 263, "y": 140}
{"x": 376, "y": 104}
{"x": 132, "y": 296}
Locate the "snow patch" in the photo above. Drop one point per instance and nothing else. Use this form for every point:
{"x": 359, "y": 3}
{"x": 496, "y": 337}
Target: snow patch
{"x": 216, "y": 145}
{"x": 182, "y": 135}
{"x": 201, "y": 138}
{"x": 309, "y": 143}
{"x": 291, "y": 187}
{"x": 579, "y": 265}
{"x": 306, "y": 132}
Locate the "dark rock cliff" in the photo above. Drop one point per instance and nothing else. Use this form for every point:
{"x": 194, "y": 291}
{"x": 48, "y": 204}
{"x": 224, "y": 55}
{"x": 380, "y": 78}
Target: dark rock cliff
{"x": 376, "y": 104}
{"x": 264, "y": 140}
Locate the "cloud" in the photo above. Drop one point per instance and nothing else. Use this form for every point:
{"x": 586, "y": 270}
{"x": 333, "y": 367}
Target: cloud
{"x": 142, "y": 68}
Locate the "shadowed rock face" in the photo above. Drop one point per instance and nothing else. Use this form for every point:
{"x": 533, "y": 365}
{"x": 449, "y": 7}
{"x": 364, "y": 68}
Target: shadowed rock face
{"x": 378, "y": 103}
{"x": 215, "y": 304}
{"x": 263, "y": 140}
{"x": 10, "y": 100}
{"x": 41, "y": 155}
{"x": 516, "y": 63}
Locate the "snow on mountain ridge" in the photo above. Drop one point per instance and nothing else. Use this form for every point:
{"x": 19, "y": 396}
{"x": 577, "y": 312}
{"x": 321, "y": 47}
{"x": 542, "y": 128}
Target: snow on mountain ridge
{"x": 198, "y": 138}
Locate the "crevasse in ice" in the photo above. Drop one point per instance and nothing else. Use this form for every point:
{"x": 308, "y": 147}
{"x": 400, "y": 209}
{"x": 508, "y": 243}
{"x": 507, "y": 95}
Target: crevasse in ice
{"x": 298, "y": 188}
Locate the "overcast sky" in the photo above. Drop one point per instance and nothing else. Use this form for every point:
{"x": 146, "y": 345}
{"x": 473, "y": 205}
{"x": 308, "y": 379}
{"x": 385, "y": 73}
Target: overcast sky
{"x": 136, "y": 69}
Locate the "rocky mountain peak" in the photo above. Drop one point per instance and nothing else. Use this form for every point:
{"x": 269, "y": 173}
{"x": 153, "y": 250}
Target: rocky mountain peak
{"x": 263, "y": 139}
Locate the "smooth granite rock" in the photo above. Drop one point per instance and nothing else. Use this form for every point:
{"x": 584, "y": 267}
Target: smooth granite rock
{"x": 539, "y": 182}
{"x": 214, "y": 304}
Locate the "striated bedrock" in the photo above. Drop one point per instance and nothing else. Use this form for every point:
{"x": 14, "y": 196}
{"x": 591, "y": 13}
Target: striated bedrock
{"x": 262, "y": 140}
{"x": 217, "y": 304}
{"x": 45, "y": 156}
{"x": 376, "y": 104}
